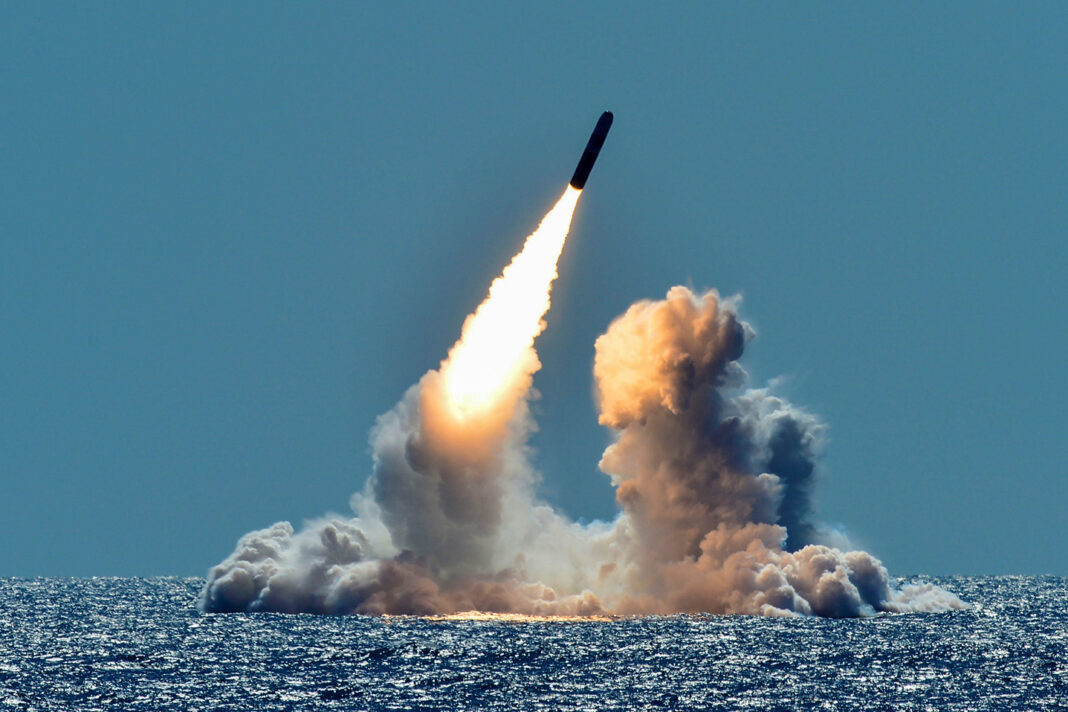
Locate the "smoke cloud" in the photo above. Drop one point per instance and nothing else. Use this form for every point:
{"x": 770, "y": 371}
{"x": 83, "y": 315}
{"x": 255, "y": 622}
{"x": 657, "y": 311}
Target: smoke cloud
{"x": 713, "y": 482}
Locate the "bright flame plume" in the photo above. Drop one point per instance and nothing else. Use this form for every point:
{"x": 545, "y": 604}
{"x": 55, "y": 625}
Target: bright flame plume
{"x": 495, "y": 347}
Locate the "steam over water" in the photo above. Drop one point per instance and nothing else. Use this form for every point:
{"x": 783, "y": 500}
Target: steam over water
{"x": 713, "y": 483}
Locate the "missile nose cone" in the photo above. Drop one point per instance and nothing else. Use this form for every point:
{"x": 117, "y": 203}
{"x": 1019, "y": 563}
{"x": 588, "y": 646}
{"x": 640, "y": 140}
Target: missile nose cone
{"x": 593, "y": 148}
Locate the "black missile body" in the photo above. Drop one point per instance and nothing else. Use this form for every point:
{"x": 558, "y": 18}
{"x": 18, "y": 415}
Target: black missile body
{"x": 585, "y": 164}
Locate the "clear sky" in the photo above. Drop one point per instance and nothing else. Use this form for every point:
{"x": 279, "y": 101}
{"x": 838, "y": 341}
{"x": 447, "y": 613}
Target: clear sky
{"x": 232, "y": 234}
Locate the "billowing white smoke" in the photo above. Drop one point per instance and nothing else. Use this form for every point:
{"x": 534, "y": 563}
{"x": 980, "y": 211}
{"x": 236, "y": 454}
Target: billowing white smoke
{"x": 713, "y": 483}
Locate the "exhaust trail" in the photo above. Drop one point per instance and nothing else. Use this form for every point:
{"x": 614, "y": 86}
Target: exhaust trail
{"x": 495, "y": 350}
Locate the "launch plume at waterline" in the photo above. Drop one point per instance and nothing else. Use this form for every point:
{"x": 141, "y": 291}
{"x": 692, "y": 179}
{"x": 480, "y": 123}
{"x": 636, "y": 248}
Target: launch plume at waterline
{"x": 713, "y": 482}
{"x": 438, "y": 521}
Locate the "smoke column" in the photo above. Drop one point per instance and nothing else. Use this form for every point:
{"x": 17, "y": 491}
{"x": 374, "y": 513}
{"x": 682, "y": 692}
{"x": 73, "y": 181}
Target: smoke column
{"x": 713, "y": 483}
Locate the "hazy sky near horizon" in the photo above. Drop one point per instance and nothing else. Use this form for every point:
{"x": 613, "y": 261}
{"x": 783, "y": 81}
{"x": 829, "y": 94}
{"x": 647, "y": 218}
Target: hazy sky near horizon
{"x": 231, "y": 235}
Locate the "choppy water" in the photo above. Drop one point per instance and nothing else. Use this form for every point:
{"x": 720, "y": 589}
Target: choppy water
{"x": 140, "y": 644}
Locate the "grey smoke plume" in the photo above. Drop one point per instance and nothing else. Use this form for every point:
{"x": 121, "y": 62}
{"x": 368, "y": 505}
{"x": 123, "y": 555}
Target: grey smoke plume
{"x": 713, "y": 483}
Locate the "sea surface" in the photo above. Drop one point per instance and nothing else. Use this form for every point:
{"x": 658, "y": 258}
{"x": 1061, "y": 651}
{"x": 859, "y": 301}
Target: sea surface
{"x": 140, "y": 644}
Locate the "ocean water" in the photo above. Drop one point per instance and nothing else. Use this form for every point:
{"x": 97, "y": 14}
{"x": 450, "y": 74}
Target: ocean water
{"x": 140, "y": 644}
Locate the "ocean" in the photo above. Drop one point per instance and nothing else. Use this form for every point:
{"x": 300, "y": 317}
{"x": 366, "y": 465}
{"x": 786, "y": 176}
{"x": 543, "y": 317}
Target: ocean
{"x": 141, "y": 644}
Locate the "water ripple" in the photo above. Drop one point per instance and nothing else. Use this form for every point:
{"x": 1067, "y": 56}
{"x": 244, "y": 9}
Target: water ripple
{"x": 139, "y": 644}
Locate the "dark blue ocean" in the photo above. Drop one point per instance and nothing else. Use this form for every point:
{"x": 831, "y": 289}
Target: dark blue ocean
{"x": 140, "y": 644}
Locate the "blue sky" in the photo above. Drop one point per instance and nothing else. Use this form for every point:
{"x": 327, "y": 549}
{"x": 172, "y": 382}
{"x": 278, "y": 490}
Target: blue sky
{"x": 231, "y": 235}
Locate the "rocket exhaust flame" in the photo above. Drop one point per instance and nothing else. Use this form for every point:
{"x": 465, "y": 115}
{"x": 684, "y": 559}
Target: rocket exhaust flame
{"x": 712, "y": 482}
{"x": 495, "y": 347}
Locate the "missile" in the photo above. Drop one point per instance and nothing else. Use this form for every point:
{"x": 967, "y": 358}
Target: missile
{"x": 585, "y": 164}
